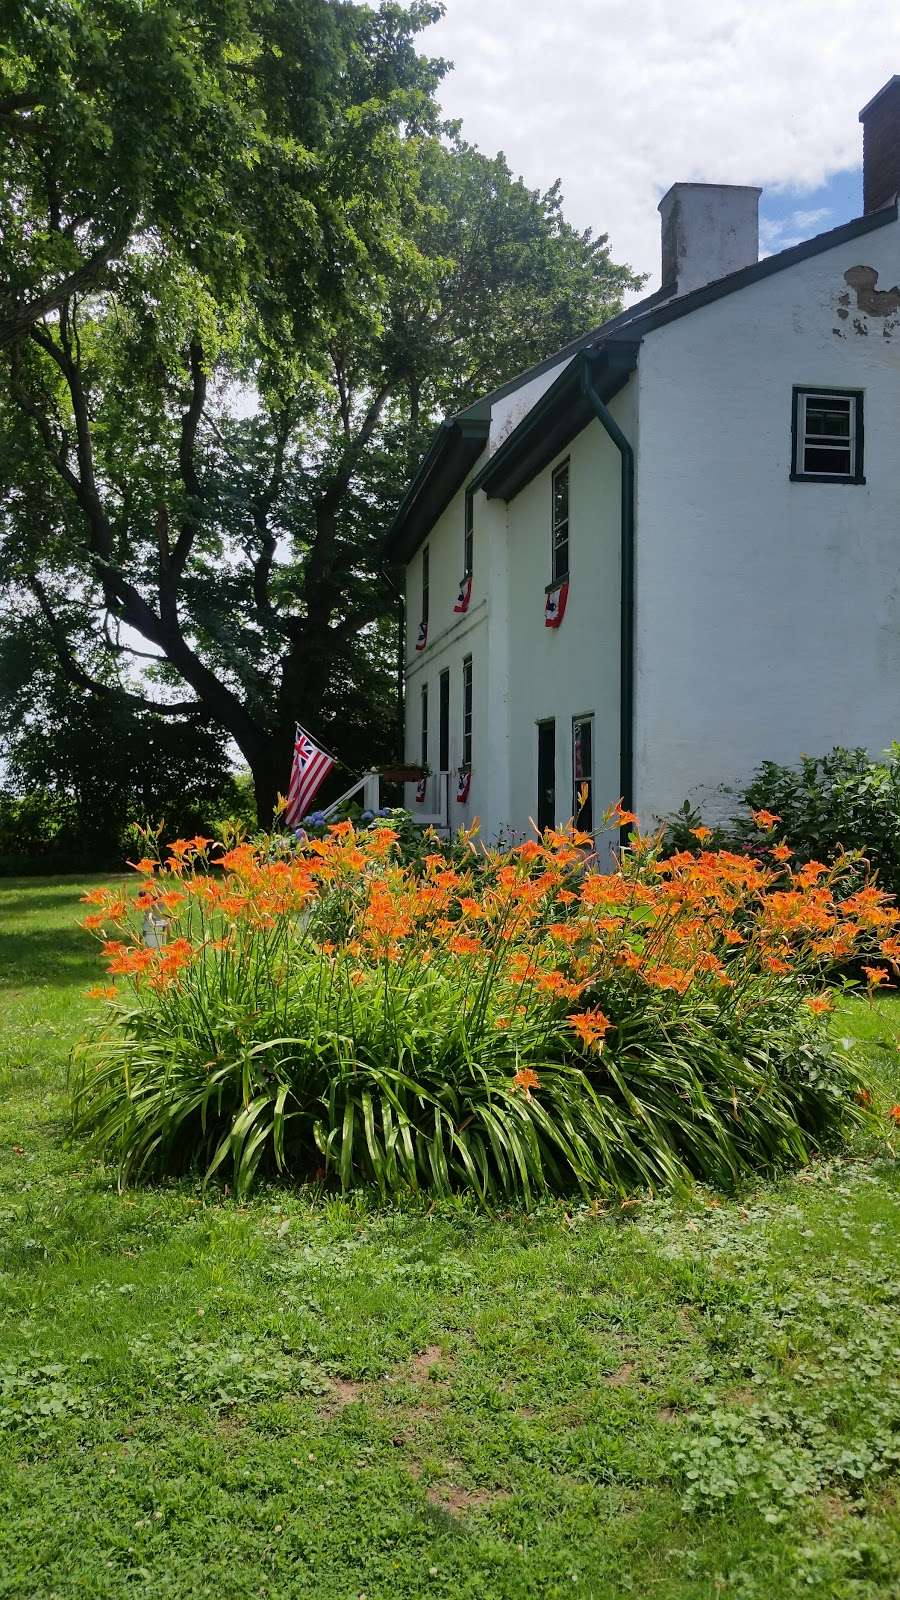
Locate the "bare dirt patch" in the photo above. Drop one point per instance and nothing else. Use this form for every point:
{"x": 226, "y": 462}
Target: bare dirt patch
{"x": 624, "y": 1375}
{"x": 422, "y": 1365}
{"x": 343, "y": 1392}
{"x": 449, "y": 1497}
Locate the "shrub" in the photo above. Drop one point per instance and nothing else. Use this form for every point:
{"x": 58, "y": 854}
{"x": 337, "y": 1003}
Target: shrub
{"x": 830, "y": 804}
{"x": 826, "y": 806}
{"x": 531, "y": 1024}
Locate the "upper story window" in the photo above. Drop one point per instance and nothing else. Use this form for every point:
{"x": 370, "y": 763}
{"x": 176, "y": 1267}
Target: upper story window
{"x": 424, "y": 617}
{"x": 469, "y": 536}
{"x": 559, "y": 547}
{"x": 828, "y": 436}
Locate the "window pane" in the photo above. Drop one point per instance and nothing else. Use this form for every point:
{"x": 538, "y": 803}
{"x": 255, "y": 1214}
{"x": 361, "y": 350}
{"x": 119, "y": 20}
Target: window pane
{"x": 469, "y": 542}
{"x": 560, "y": 494}
{"x": 834, "y": 460}
{"x": 467, "y": 712}
{"x": 583, "y": 773}
{"x": 424, "y": 724}
{"x": 830, "y": 419}
{"x": 444, "y": 722}
{"x": 546, "y": 800}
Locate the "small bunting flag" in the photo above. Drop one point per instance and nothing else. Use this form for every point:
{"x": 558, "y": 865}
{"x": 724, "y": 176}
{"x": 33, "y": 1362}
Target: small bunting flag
{"x": 465, "y": 593}
{"x": 422, "y": 636}
{"x": 421, "y": 790}
{"x": 555, "y": 609}
{"x": 464, "y": 784}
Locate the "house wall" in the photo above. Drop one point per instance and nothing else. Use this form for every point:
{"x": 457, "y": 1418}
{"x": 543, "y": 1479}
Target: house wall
{"x": 573, "y": 670}
{"x": 768, "y": 612}
{"x": 482, "y": 632}
{"x": 450, "y": 639}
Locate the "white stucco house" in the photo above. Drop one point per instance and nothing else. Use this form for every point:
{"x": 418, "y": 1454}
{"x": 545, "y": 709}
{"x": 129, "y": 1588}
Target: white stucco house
{"x": 672, "y": 550}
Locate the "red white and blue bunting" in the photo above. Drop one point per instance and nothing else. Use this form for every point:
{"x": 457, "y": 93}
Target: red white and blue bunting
{"x": 555, "y": 607}
{"x": 422, "y": 636}
{"x": 465, "y": 594}
{"x": 464, "y": 784}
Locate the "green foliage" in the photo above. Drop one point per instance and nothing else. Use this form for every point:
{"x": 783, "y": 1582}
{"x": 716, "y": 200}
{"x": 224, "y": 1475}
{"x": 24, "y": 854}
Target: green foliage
{"x": 201, "y": 204}
{"x": 842, "y": 801}
{"x": 80, "y": 769}
{"x": 437, "y": 1402}
{"x": 826, "y": 806}
{"x": 337, "y": 1011}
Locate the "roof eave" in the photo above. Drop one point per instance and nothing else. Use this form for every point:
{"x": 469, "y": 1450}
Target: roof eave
{"x": 556, "y": 418}
{"x": 458, "y": 443}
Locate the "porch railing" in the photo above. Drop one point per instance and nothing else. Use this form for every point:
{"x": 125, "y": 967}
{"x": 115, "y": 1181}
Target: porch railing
{"x": 432, "y": 812}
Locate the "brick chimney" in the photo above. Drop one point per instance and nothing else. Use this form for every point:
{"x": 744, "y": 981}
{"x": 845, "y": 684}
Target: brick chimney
{"x": 708, "y": 230}
{"x": 881, "y": 146}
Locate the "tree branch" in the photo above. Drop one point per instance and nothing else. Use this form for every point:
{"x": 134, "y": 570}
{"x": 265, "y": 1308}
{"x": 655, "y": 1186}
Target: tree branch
{"x": 18, "y": 317}
{"x": 76, "y": 674}
{"x": 120, "y": 595}
{"x": 26, "y": 100}
{"x": 260, "y": 510}
{"x": 187, "y": 466}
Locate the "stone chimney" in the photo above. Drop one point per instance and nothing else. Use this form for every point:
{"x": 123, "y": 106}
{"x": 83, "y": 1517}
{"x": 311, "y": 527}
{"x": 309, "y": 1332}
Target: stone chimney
{"x": 881, "y": 146}
{"x": 708, "y": 230}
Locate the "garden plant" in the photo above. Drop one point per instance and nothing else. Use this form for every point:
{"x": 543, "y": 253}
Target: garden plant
{"x": 523, "y": 1023}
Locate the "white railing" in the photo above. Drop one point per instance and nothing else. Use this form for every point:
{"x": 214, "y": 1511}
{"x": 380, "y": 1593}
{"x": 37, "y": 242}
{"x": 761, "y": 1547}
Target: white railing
{"x": 432, "y": 812}
{"x": 369, "y": 784}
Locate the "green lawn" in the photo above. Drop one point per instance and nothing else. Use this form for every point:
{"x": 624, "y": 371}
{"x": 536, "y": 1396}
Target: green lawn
{"x": 304, "y": 1396}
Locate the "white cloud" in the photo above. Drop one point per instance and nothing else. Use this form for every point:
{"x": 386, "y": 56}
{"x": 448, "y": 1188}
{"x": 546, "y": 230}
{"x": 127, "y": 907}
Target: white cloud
{"x": 620, "y": 101}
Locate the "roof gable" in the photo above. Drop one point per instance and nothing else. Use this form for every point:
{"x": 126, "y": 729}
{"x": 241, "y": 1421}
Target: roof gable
{"x": 460, "y": 440}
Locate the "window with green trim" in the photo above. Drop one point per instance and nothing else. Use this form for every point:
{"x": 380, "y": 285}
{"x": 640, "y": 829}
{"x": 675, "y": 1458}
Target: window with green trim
{"x": 827, "y": 436}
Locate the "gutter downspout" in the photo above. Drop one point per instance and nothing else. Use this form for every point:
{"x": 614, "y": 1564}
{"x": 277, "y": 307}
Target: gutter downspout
{"x": 626, "y": 619}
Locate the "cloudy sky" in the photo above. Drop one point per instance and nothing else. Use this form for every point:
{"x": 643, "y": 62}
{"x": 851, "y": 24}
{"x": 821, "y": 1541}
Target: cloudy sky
{"x": 621, "y": 98}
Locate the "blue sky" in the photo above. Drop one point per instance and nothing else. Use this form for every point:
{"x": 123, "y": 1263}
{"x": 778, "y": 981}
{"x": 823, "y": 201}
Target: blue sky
{"x": 787, "y": 216}
{"x": 620, "y": 101}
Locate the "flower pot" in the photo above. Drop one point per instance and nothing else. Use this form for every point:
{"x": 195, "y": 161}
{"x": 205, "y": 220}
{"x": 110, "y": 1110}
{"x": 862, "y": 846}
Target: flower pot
{"x": 402, "y": 774}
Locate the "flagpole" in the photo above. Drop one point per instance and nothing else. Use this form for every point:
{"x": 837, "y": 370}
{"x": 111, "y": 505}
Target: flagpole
{"x": 354, "y": 771}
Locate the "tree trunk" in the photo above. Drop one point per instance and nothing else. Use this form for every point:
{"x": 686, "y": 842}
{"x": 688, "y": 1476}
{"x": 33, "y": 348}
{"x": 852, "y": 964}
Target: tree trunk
{"x": 271, "y": 772}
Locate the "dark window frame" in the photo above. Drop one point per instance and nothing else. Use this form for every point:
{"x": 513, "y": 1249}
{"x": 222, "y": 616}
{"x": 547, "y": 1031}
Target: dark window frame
{"x": 423, "y": 722}
{"x": 469, "y": 534}
{"x": 799, "y": 436}
{"x": 426, "y": 581}
{"x": 559, "y": 566}
{"x": 444, "y": 721}
{"x": 583, "y": 815}
{"x": 467, "y": 711}
{"x": 546, "y": 795}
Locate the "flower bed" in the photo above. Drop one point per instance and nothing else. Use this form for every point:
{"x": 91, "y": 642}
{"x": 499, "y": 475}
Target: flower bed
{"x": 523, "y": 1024}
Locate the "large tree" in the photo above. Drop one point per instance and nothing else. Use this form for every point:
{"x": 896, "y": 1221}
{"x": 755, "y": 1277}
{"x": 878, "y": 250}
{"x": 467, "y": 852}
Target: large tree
{"x": 242, "y": 269}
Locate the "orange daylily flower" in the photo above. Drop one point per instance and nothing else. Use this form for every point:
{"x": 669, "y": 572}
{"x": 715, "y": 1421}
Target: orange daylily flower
{"x": 894, "y": 1113}
{"x": 591, "y": 1028}
{"x": 702, "y": 833}
{"x": 782, "y": 852}
{"x": 765, "y": 819}
{"x": 819, "y": 1003}
{"x": 145, "y": 865}
{"x": 875, "y": 976}
{"x": 526, "y": 1080}
{"x": 101, "y": 991}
